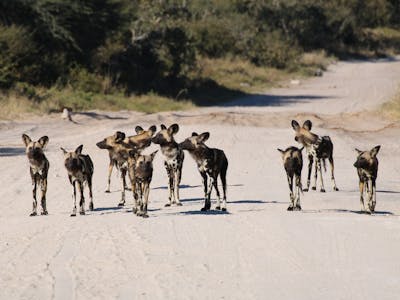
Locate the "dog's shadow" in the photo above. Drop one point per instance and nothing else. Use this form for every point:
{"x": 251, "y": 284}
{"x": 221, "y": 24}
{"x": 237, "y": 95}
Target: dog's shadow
{"x": 205, "y": 213}
{"x": 11, "y": 151}
{"x": 350, "y": 211}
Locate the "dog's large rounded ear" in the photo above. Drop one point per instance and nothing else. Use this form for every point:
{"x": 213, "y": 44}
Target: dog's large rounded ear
{"x": 307, "y": 125}
{"x": 295, "y": 125}
{"x": 173, "y": 129}
{"x": 63, "y": 150}
{"x": 153, "y": 129}
{"x": 43, "y": 141}
{"x": 358, "y": 151}
{"x": 203, "y": 137}
{"x": 163, "y": 127}
{"x": 139, "y": 129}
{"x": 119, "y": 136}
{"x": 194, "y": 134}
{"x": 375, "y": 150}
{"x": 79, "y": 149}
{"x": 26, "y": 139}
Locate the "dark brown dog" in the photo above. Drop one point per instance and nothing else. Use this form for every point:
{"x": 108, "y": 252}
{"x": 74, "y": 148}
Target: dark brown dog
{"x": 211, "y": 163}
{"x": 173, "y": 160}
{"x": 39, "y": 168}
{"x": 318, "y": 149}
{"x": 119, "y": 147}
{"x": 367, "y": 169}
{"x": 80, "y": 171}
{"x": 143, "y": 173}
{"x": 293, "y": 164}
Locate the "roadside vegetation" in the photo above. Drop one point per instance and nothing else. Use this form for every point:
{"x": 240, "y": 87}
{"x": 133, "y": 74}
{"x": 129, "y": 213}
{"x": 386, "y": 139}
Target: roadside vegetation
{"x": 175, "y": 54}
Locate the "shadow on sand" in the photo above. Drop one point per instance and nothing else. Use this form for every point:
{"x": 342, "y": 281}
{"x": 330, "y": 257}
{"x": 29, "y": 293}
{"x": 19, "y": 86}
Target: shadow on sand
{"x": 11, "y": 151}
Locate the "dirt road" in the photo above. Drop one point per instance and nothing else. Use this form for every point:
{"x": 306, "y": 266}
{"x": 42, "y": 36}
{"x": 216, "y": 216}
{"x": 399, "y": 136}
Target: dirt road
{"x": 257, "y": 250}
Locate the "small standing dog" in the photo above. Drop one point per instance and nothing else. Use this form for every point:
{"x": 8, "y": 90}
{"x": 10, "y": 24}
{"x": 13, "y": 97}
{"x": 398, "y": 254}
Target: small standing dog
{"x": 80, "y": 171}
{"x": 211, "y": 163}
{"x": 173, "y": 160}
{"x": 318, "y": 149}
{"x": 293, "y": 164}
{"x": 143, "y": 173}
{"x": 367, "y": 169}
{"x": 39, "y": 168}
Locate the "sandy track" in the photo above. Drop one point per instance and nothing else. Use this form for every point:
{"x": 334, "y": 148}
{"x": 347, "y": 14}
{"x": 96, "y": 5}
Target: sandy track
{"x": 256, "y": 251}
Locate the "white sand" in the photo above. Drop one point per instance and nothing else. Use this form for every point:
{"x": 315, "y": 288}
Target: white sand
{"x": 258, "y": 250}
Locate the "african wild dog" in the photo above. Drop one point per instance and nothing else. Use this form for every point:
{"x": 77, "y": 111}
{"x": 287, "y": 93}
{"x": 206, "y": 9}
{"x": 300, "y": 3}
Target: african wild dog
{"x": 113, "y": 163}
{"x": 39, "y": 168}
{"x": 367, "y": 169}
{"x": 120, "y": 147}
{"x": 173, "y": 160}
{"x": 318, "y": 149}
{"x": 293, "y": 164}
{"x": 143, "y": 172}
{"x": 80, "y": 171}
{"x": 210, "y": 162}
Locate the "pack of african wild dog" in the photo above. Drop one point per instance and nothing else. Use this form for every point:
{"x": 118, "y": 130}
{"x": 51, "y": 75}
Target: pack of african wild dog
{"x": 125, "y": 154}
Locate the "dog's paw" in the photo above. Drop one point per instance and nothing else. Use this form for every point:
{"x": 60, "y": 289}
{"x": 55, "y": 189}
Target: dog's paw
{"x": 335, "y": 189}
{"x": 223, "y": 209}
{"x": 322, "y": 190}
{"x": 73, "y": 215}
{"x": 314, "y": 188}
{"x": 179, "y": 204}
{"x": 218, "y": 208}
{"x": 44, "y": 213}
{"x": 305, "y": 190}
{"x": 121, "y": 204}
{"x": 82, "y": 213}
{"x": 107, "y": 191}
{"x": 33, "y": 214}
{"x": 167, "y": 205}
{"x": 297, "y": 208}
{"x": 290, "y": 208}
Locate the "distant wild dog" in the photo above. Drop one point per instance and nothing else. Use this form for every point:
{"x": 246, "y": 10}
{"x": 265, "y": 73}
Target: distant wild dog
{"x": 367, "y": 169}
{"x": 121, "y": 149}
{"x": 80, "y": 171}
{"x": 318, "y": 149}
{"x": 113, "y": 163}
{"x": 143, "y": 172}
{"x": 293, "y": 164}
{"x": 39, "y": 168}
{"x": 211, "y": 163}
{"x": 173, "y": 160}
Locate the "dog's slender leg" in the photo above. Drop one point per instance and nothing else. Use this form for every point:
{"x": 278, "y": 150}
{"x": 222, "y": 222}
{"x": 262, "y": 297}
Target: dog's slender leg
{"x": 207, "y": 205}
{"x": 146, "y": 199}
{"x": 139, "y": 205}
{"x": 333, "y": 173}
{"x": 123, "y": 174}
{"x": 373, "y": 195}
{"x": 320, "y": 174}
{"x": 34, "y": 204}
{"x": 43, "y": 187}
{"x": 91, "y": 206}
{"x": 370, "y": 195}
{"x": 298, "y": 191}
{"x": 218, "y": 194}
{"x": 205, "y": 179}
{"x": 73, "y": 214}
{"x": 361, "y": 187}
{"x": 290, "y": 183}
{"x": 170, "y": 184}
{"x": 223, "y": 179}
{"x": 176, "y": 187}
{"x": 310, "y": 165}
{"x": 82, "y": 198}
{"x": 315, "y": 174}
{"x": 110, "y": 167}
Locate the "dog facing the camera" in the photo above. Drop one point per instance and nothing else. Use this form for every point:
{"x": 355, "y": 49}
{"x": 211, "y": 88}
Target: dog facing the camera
{"x": 39, "y": 168}
{"x": 318, "y": 150}
{"x": 367, "y": 169}
{"x": 173, "y": 160}
{"x": 80, "y": 171}
{"x": 143, "y": 174}
{"x": 293, "y": 164}
{"x": 211, "y": 163}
